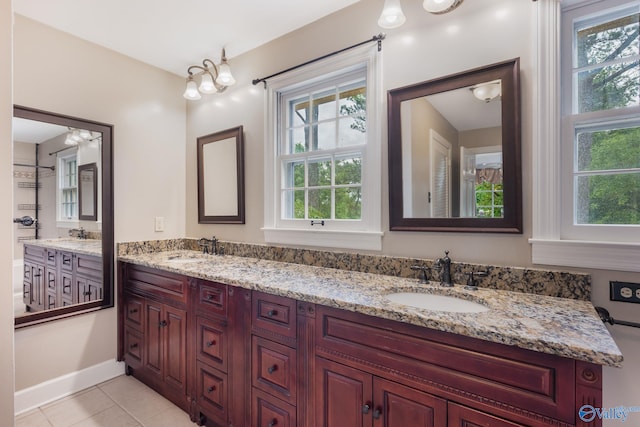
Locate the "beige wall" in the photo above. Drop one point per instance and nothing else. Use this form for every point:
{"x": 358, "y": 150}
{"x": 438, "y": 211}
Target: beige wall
{"x": 427, "y": 46}
{"x": 6, "y": 213}
{"x": 148, "y": 113}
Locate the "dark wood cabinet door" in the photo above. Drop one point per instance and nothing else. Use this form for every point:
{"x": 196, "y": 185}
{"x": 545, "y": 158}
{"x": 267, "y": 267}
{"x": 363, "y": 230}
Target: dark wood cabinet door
{"x": 343, "y": 395}
{"x": 461, "y": 416}
{"x": 174, "y": 326}
{"x": 396, "y": 405}
{"x": 153, "y": 337}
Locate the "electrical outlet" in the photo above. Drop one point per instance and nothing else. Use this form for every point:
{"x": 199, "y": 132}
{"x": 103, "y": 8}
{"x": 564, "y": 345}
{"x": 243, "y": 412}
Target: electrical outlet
{"x": 625, "y": 292}
{"x": 159, "y": 226}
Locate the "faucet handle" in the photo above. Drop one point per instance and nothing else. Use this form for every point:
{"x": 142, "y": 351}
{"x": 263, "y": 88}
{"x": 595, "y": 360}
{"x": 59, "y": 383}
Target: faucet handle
{"x": 422, "y": 277}
{"x": 471, "y": 281}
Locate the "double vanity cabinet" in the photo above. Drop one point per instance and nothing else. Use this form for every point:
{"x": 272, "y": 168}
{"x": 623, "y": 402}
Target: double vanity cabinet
{"x": 240, "y": 356}
{"x": 55, "y": 278}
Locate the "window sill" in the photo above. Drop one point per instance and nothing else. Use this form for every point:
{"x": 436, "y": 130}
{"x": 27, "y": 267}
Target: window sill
{"x": 363, "y": 240}
{"x": 586, "y": 254}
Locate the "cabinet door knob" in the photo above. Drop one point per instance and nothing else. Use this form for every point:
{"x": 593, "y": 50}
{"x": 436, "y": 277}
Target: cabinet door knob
{"x": 210, "y": 389}
{"x": 211, "y": 343}
{"x": 272, "y": 369}
{"x": 366, "y": 408}
{"x": 163, "y": 323}
{"x": 271, "y": 313}
{"x": 272, "y": 423}
{"x": 133, "y": 346}
{"x": 377, "y": 413}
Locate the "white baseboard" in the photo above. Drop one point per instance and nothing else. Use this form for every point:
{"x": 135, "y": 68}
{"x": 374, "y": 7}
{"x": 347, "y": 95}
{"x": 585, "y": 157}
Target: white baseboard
{"x": 56, "y": 388}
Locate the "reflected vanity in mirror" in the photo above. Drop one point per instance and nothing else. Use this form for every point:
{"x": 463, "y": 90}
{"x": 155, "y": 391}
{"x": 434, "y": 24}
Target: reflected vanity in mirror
{"x": 221, "y": 177}
{"x": 62, "y": 180}
{"x": 454, "y": 152}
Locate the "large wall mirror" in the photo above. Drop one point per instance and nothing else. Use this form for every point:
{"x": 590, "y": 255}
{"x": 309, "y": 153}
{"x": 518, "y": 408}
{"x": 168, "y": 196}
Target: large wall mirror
{"x": 63, "y": 210}
{"x": 221, "y": 177}
{"x": 454, "y": 152}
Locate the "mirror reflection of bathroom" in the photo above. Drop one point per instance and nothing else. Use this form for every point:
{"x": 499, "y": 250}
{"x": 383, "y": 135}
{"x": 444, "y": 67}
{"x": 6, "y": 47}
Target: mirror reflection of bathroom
{"x": 57, "y": 253}
{"x": 452, "y": 153}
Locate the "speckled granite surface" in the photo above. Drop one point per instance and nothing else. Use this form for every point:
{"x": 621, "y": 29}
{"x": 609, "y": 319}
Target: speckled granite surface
{"x": 534, "y": 281}
{"x": 83, "y": 246}
{"x": 560, "y": 326}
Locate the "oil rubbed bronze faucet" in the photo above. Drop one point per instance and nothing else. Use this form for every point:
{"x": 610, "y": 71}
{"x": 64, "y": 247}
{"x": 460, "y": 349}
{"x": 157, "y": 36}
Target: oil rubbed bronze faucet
{"x": 209, "y": 246}
{"x": 444, "y": 264}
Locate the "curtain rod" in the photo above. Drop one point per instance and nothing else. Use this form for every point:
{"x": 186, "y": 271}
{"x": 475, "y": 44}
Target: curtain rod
{"x": 377, "y": 39}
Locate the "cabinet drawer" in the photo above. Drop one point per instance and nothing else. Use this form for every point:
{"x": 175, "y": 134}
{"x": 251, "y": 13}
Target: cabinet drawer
{"x": 212, "y": 298}
{"x": 212, "y": 393}
{"x": 34, "y": 253}
{"x": 66, "y": 261}
{"x": 212, "y": 343}
{"x": 156, "y": 283}
{"x": 134, "y": 312}
{"x": 462, "y": 416}
{"x": 274, "y": 315}
{"x": 88, "y": 266}
{"x": 133, "y": 341}
{"x": 274, "y": 369}
{"x": 267, "y": 411}
{"x": 50, "y": 254}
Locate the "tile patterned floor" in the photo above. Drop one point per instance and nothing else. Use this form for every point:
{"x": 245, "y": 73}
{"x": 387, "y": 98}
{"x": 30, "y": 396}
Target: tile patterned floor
{"x": 120, "y": 402}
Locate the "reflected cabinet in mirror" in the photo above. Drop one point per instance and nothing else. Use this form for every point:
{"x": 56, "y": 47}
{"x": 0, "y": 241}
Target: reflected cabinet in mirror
{"x": 63, "y": 255}
{"x": 221, "y": 177}
{"x": 454, "y": 152}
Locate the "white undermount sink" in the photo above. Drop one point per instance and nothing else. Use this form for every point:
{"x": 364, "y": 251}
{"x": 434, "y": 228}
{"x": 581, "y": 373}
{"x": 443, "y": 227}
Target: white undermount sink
{"x": 436, "y": 302}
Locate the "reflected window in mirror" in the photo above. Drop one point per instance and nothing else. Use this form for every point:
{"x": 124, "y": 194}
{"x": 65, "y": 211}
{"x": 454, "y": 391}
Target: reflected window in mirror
{"x": 63, "y": 263}
{"x": 454, "y": 152}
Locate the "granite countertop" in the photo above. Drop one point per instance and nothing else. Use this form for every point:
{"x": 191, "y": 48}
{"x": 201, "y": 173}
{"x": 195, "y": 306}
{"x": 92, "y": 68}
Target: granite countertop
{"x": 83, "y": 246}
{"x": 560, "y": 326}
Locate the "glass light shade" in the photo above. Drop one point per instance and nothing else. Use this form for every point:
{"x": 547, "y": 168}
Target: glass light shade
{"x": 440, "y": 6}
{"x": 487, "y": 91}
{"x": 392, "y": 15}
{"x": 206, "y": 84}
{"x": 85, "y": 134}
{"x": 191, "y": 92}
{"x": 69, "y": 140}
{"x": 224, "y": 75}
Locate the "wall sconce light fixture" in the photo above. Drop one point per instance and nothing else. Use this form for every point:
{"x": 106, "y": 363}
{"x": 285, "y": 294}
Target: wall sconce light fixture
{"x": 393, "y": 17}
{"x": 76, "y": 136}
{"x": 487, "y": 91}
{"x": 212, "y": 78}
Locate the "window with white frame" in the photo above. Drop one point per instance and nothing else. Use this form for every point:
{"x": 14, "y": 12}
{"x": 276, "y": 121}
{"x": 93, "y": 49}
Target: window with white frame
{"x": 67, "y": 187}
{"x": 601, "y": 129}
{"x": 586, "y": 192}
{"x": 323, "y": 155}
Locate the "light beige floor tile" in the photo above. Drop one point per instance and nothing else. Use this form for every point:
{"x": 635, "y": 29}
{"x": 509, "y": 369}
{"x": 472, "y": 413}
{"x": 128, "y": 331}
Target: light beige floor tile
{"x": 112, "y": 417}
{"x": 33, "y": 418}
{"x": 135, "y": 398}
{"x": 76, "y": 408}
{"x": 172, "y": 417}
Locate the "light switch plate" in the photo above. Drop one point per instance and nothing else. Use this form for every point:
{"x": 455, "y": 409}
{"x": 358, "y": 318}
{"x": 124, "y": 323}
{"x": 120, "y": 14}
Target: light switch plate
{"x": 159, "y": 226}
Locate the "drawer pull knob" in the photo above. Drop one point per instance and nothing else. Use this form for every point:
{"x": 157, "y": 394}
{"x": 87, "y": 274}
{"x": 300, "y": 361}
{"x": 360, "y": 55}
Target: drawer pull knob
{"x": 209, "y": 297}
{"x": 272, "y": 313}
{"x": 133, "y": 345}
{"x": 377, "y": 413}
{"x": 366, "y": 408}
{"x": 211, "y": 343}
{"x": 87, "y": 293}
{"x": 210, "y": 389}
{"x": 272, "y": 369}
{"x": 272, "y": 423}
{"x": 133, "y": 311}
{"x": 163, "y": 323}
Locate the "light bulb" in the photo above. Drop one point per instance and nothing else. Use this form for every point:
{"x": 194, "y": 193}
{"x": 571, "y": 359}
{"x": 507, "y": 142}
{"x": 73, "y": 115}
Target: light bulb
{"x": 224, "y": 75}
{"x": 392, "y": 15}
{"x": 206, "y": 84}
{"x": 440, "y": 6}
{"x": 191, "y": 92}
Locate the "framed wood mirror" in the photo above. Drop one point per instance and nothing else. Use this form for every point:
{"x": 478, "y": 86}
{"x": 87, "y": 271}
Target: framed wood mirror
{"x": 454, "y": 152}
{"x": 221, "y": 177}
{"x": 67, "y": 256}
{"x": 88, "y": 192}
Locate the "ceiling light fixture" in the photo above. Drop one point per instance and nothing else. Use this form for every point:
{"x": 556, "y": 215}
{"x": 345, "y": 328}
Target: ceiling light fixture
{"x": 76, "y": 136}
{"x": 487, "y": 91}
{"x": 212, "y": 78}
{"x": 393, "y": 17}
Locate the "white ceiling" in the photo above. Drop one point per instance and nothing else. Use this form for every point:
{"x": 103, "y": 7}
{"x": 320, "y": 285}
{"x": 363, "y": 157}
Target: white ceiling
{"x": 25, "y": 130}
{"x": 172, "y": 35}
